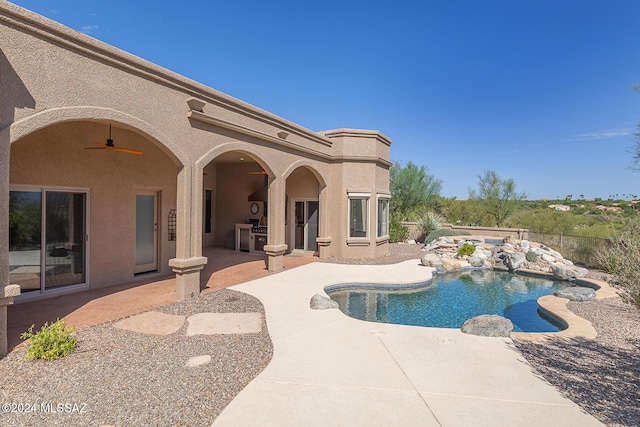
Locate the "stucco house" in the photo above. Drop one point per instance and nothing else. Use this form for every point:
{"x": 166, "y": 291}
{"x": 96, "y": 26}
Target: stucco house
{"x": 112, "y": 167}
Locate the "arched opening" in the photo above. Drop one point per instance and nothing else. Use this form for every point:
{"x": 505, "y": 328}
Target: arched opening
{"x": 235, "y": 202}
{"x": 88, "y": 217}
{"x": 302, "y": 210}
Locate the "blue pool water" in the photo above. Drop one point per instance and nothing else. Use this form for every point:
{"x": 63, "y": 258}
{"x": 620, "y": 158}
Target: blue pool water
{"x": 450, "y": 299}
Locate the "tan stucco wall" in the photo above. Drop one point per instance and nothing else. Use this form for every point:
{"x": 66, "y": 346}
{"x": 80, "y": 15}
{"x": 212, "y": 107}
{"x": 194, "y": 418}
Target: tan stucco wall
{"x": 55, "y": 157}
{"x": 60, "y": 91}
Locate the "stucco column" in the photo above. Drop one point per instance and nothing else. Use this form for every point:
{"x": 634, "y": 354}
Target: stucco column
{"x": 7, "y": 292}
{"x": 324, "y": 239}
{"x": 189, "y": 260}
{"x": 277, "y": 247}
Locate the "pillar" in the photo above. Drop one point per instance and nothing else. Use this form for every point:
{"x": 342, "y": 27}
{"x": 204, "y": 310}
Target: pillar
{"x": 189, "y": 260}
{"x": 276, "y": 247}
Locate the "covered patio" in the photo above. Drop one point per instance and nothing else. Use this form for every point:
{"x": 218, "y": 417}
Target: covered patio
{"x": 85, "y": 309}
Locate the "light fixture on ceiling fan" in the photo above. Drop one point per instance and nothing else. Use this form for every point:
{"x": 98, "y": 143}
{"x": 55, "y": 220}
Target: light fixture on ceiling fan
{"x": 111, "y": 146}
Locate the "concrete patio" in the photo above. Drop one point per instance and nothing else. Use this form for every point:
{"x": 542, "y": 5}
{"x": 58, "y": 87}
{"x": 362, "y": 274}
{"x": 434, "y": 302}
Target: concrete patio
{"x": 328, "y": 368}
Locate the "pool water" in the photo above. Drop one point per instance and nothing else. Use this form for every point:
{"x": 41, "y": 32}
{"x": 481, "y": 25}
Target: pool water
{"x": 449, "y": 300}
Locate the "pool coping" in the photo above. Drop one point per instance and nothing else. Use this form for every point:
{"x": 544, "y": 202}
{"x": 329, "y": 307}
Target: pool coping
{"x": 551, "y": 305}
{"x": 556, "y": 307}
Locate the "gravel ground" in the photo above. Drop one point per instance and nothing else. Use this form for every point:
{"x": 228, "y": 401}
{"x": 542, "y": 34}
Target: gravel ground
{"x": 126, "y": 378}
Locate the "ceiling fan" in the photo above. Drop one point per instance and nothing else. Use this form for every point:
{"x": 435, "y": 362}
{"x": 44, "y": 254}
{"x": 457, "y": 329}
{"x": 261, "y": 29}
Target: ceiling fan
{"x": 110, "y": 146}
{"x": 262, "y": 172}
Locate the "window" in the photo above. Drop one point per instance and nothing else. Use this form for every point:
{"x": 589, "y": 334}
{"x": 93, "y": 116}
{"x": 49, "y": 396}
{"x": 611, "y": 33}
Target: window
{"x": 358, "y": 215}
{"x": 383, "y": 215}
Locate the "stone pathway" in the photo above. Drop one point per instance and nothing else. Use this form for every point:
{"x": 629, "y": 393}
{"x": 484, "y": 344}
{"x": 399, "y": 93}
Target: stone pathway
{"x": 155, "y": 323}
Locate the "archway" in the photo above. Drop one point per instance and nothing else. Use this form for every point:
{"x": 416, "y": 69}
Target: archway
{"x": 89, "y": 231}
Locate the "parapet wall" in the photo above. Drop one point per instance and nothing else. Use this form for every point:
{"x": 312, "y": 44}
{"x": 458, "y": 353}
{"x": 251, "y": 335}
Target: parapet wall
{"x": 517, "y": 233}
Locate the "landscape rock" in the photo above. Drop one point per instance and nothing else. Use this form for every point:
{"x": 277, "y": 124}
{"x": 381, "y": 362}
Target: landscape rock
{"x": 488, "y": 325}
{"x": 567, "y": 272}
{"x": 577, "y": 293}
{"x": 524, "y": 245}
{"x": 451, "y": 264}
{"x": 430, "y": 260}
{"x": 547, "y": 258}
{"x": 476, "y": 261}
{"x": 319, "y": 302}
{"x": 513, "y": 260}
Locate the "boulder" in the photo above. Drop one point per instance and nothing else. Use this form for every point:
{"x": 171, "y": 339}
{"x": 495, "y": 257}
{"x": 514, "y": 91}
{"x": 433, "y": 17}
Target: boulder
{"x": 451, "y": 264}
{"x": 319, "y": 302}
{"x": 567, "y": 272}
{"x": 488, "y": 325}
{"x": 577, "y": 293}
{"x": 548, "y": 258}
{"x": 476, "y": 261}
{"x": 513, "y": 260}
{"x": 430, "y": 260}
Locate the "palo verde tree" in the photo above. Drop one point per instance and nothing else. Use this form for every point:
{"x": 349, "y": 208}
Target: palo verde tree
{"x": 497, "y": 197}
{"x": 413, "y": 190}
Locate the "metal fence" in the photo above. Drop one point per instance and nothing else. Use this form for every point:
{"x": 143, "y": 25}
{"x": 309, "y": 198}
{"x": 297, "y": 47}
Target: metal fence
{"x": 578, "y": 249}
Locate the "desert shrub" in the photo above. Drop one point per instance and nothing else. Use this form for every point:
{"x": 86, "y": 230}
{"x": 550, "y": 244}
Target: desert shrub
{"x": 397, "y": 231}
{"x": 532, "y": 256}
{"x": 430, "y": 221}
{"x": 622, "y": 259}
{"x": 51, "y": 342}
{"x": 466, "y": 249}
{"x": 440, "y": 232}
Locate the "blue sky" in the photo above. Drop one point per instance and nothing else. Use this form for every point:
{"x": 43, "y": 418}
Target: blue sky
{"x": 538, "y": 90}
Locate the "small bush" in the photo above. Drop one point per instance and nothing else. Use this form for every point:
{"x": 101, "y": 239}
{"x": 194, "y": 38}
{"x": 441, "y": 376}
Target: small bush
{"x": 532, "y": 256}
{"x": 52, "y": 342}
{"x": 440, "y": 232}
{"x": 430, "y": 221}
{"x": 397, "y": 231}
{"x": 622, "y": 259}
{"x": 466, "y": 249}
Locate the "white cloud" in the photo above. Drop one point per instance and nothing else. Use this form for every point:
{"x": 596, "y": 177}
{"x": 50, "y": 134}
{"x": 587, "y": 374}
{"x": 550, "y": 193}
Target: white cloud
{"x": 605, "y": 134}
{"x": 88, "y": 28}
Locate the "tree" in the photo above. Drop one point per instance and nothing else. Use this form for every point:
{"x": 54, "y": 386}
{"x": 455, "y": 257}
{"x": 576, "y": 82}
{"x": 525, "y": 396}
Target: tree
{"x": 496, "y": 197}
{"x": 413, "y": 190}
{"x": 635, "y": 150}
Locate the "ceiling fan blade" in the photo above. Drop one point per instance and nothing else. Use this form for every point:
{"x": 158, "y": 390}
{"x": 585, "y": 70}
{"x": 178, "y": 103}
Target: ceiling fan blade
{"x": 126, "y": 150}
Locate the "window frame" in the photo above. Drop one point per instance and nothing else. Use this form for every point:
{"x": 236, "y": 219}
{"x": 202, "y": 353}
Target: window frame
{"x": 382, "y": 198}
{"x": 366, "y": 217}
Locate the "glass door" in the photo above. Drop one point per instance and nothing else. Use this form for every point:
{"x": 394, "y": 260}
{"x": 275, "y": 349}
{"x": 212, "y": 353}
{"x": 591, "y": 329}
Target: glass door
{"x": 25, "y": 240}
{"x": 64, "y": 258}
{"x": 47, "y": 239}
{"x": 306, "y": 225}
{"x": 146, "y": 233}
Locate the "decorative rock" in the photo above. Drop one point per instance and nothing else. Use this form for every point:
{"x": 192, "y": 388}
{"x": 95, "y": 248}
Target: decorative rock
{"x": 567, "y": 272}
{"x": 577, "y": 293}
{"x": 319, "y": 302}
{"x": 198, "y": 360}
{"x": 451, "y": 264}
{"x": 488, "y": 325}
{"x": 430, "y": 260}
{"x": 548, "y": 258}
{"x": 513, "y": 260}
{"x": 524, "y": 245}
{"x": 476, "y": 261}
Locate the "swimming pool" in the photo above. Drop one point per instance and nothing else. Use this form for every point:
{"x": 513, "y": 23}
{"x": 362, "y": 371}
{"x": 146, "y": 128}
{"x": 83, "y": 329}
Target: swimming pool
{"x": 447, "y": 301}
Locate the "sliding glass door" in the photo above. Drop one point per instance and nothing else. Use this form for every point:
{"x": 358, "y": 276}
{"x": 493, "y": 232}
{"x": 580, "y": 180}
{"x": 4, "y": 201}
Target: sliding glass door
{"x": 47, "y": 239}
